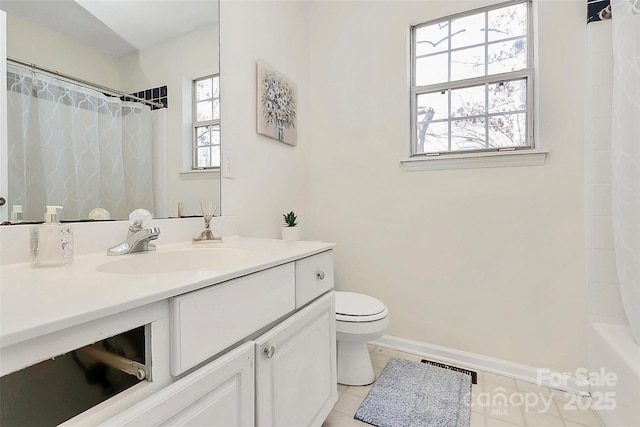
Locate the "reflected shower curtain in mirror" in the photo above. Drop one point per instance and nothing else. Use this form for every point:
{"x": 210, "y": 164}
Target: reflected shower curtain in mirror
{"x": 75, "y": 147}
{"x": 625, "y": 155}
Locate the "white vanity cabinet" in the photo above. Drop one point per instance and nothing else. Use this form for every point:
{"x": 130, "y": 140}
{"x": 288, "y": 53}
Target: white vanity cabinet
{"x": 249, "y": 346}
{"x": 285, "y": 377}
{"x": 295, "y": 380}
{"x": 296, "y": 368}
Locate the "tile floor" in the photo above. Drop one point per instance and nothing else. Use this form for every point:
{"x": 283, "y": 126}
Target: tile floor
{"x": 527, "y": 405}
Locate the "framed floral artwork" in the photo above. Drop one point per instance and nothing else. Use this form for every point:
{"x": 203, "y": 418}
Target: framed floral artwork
{"x": 277, "y": 104}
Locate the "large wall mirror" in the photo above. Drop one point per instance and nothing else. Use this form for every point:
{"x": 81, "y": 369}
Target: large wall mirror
{"x": 72, "y": 143}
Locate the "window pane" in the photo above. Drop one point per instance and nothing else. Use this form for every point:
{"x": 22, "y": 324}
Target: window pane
{"x": 467, "y": 63}
{"x": 508, "y": 96}
{"x": 433, "y": 137}
{"x": 433, "y": 106}
{"x": 468, "y": 134}
{"x": 431, "y": 39}
{"x": 508, "y": 130}
{"x": 203, "y": 137}
{"x": 215, "y": 135}
{"x": 216, "y": 109}
{"x": 215, "y": 88}
{"x": 468, "y": 31}
{"x": 203, "y": 157}
{"x": 507, "y": 56}
{"x": 508, "y": 22}
{"x": 432, "y": 69}
{"x": 215, "y": 156}
{"x": 468, "y": 101}
{"x": 204, "y": 111}
{"x": 204, "y": 89}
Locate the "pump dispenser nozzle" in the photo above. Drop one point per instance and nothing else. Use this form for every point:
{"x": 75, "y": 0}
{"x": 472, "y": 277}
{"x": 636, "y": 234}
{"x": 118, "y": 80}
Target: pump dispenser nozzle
{"x": 51, "y": 216}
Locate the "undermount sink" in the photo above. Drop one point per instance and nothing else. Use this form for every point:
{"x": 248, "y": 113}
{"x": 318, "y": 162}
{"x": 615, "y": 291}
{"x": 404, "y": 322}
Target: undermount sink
{"x": 173, "y": 261}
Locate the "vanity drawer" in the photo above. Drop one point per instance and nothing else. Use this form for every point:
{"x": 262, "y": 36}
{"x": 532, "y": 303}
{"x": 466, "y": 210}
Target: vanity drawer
{"x": 314, "y": 277}
{"x": 207, "y": 321}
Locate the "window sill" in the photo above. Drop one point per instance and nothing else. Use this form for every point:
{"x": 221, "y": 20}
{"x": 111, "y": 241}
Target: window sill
{"x": 200, "y": 173}
{"x": 496, "y": 159}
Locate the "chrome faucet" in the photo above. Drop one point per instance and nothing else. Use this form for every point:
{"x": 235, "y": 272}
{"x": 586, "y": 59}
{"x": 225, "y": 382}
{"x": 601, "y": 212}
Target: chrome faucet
{"x": 138, "y": 240}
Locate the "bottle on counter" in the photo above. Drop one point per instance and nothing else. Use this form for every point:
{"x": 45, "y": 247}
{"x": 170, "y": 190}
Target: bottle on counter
{"x": 51, "y": 242}
{"x": 16, "y": 214}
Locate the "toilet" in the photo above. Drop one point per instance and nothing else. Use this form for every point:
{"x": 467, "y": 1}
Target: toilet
{"x": 359, "y": 318}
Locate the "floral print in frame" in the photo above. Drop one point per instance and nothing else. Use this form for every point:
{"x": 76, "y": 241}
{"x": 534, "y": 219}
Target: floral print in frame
{"x": 277, "y": 105}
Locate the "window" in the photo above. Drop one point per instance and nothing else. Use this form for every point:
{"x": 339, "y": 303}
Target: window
{"x": 471, "y": 82}
{"x": 206, "y": 124}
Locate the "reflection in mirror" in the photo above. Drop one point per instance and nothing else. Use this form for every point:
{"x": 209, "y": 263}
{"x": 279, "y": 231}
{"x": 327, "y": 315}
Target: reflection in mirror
{"x": 73, "y": 143}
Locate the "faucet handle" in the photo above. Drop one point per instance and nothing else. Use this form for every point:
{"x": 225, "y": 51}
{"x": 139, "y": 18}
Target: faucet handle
{"x": 140, "y": 218}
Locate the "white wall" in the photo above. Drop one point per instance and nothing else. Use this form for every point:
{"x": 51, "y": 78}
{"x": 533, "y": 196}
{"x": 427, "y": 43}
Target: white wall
{"x": 490, "y": 261}
{"x": 271, "y": 177}
{"x": 35, "y": 44}
{"x": 176, "y": 64}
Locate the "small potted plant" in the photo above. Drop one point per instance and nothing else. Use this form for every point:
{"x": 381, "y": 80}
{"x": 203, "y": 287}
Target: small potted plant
{"x": 290, "y": 229}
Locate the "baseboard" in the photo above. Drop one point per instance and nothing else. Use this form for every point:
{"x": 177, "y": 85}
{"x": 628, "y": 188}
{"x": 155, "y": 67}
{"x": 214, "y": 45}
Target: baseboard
{"x": 472, "y": 361}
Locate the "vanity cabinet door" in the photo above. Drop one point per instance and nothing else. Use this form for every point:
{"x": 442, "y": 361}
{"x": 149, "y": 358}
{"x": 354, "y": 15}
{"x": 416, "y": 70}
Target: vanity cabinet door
{"x": 219, "y": 394}
{"x": 296, "y": 384}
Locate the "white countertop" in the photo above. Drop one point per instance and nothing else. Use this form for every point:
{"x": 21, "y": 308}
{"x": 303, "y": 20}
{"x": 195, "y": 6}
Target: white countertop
{"x": 39, "y": 301}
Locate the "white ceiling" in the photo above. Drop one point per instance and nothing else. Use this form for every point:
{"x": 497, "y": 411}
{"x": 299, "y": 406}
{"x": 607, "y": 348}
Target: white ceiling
{"x": 117, "y": 27}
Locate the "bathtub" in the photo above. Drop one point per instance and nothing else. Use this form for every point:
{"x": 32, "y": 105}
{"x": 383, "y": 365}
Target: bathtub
{"x": 614, "y": 351}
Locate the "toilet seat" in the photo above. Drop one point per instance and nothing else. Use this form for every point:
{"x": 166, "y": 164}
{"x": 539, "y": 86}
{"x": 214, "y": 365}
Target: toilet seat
{"x": 354, "y": 307}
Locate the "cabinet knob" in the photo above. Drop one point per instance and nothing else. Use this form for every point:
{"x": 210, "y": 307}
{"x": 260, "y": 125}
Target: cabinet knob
{"x": 321, "y": 275}
{"x": 269, "y": 351}
{"x": 2, "y": 201}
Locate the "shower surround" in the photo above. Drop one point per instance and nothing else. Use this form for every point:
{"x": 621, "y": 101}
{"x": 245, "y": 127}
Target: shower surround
{"x": 612, "y": 348}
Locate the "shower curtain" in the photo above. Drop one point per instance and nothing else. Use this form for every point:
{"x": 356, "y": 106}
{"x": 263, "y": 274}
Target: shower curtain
{"x": 75, "y": 147}
{"x": 625, "y": 155}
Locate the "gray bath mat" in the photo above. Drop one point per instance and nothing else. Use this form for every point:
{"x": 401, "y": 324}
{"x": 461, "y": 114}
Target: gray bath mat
{"x": 413, "y": 394}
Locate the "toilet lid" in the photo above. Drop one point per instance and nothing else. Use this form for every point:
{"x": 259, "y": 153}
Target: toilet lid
{"x": 353, "y": 304}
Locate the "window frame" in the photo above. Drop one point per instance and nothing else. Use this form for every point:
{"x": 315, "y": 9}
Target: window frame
{"x": 196, "y": 124}
{"x": 527, "y": 74}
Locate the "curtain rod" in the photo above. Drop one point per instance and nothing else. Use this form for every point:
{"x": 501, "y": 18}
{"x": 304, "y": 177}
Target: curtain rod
{"x": 84, "y": 82}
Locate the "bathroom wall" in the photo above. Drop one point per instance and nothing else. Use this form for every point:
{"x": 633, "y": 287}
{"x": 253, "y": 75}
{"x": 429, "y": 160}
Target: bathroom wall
{"x": 489, "y": 261}
{"x": 270, "y": 177}
{"x": 176, "y": 64}
{"x": 604, "y": 299}
{"x": 36, "y": 44}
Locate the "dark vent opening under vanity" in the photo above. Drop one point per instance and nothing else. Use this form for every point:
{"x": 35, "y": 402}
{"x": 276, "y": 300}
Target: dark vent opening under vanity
{"x": 56, "y": 390}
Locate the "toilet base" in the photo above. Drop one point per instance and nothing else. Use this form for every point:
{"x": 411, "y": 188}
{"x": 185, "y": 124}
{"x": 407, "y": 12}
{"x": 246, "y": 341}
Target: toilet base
{"x": 354, "y": 363}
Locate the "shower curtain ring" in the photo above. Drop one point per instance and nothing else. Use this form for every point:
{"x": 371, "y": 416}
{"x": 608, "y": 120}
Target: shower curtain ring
{"x": 34, "y": 79}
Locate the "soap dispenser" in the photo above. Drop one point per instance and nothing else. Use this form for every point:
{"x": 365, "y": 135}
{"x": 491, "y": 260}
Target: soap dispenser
{"x": 16, "y": 214}
{"x": 51, "y": 242}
